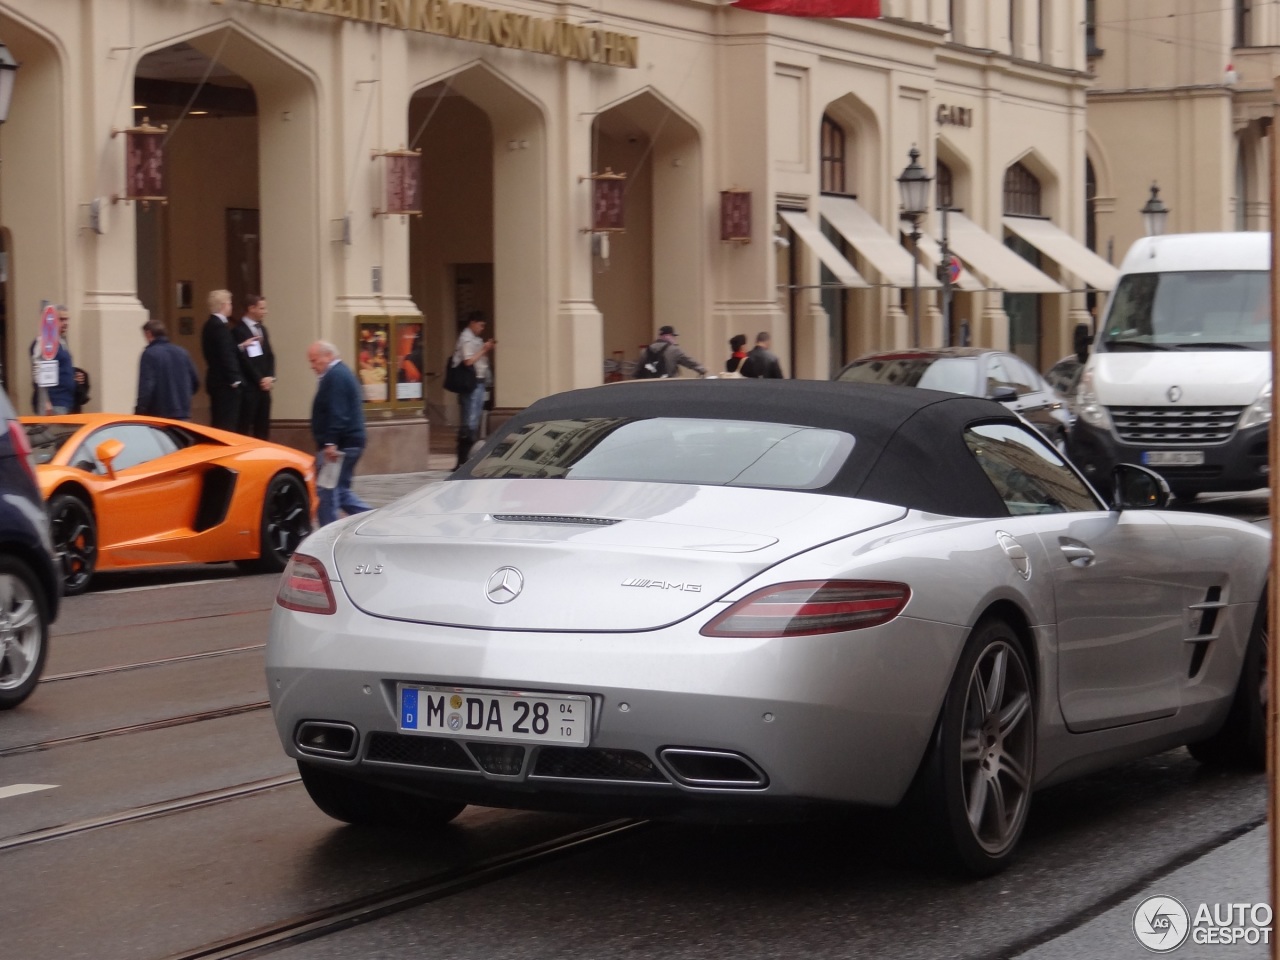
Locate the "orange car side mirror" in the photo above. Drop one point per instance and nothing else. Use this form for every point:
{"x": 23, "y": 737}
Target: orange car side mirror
{"x": 107, "y": 451}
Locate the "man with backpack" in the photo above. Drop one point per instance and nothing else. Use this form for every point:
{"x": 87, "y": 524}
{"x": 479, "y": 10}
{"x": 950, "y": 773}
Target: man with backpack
{"x": 663, "y": 356}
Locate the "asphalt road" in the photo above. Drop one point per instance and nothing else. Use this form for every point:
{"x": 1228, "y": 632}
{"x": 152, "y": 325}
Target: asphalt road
{"x": 170, "y": 824}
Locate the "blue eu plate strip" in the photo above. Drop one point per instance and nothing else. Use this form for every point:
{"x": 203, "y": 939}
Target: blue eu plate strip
{"x": 409, "y": 708}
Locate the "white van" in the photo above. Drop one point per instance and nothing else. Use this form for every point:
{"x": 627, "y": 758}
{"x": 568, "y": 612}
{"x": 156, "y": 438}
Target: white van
{"x": 1180, "y": 376}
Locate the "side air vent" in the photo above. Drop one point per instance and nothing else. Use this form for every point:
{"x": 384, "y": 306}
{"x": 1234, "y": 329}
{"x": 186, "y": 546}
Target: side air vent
{"x": 552, "y": 518}
{"x": 1206, "y": 613}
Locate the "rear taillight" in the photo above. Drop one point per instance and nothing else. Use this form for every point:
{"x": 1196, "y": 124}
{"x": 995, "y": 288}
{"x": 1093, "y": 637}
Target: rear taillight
{"x": 811, "y": 607}
{"x": 304, "y": 586}
{"x": 22, "y": 447}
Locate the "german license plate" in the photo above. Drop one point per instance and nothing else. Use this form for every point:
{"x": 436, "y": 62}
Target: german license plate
{"x": 494, "y": 715}
{"x": 1173, "y": 458}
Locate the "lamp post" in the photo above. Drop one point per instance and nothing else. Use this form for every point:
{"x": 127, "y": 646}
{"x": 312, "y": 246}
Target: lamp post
{"x": 1154, "y": 213}
{"x": 8, "y": 70}
{"x": 914, "y": 188}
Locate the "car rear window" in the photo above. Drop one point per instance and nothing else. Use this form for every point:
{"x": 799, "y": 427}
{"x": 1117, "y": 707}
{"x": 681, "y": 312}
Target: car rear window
{"x": 736, "y": 453}
{"x": 47, "y": 439}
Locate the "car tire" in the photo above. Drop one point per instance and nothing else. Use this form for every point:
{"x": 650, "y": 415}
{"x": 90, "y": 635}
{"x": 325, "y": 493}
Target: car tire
{"x": 24, "y": 631}
{"x": 978, "y": 776}
{"x": 286, "y": 521}
{"x": 370, "y": 805}
{"x": 1241, "y": 741}
{"x": 75, "y": 541}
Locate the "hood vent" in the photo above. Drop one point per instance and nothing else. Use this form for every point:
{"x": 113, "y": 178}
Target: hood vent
{"x": 549, "y": 518}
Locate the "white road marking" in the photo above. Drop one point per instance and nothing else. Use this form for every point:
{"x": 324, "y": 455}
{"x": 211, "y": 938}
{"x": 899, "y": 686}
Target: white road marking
{"x": 166, "y": 586}
{"x": 17, "y": 789}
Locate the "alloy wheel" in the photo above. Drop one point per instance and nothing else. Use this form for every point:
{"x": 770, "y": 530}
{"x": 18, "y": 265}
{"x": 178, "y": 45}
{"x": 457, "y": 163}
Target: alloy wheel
{"x": 74, "y": 541}
{"x": 997, "y": 747}
{"x": 21, "y": 632}
{"x": 288, "y": 517}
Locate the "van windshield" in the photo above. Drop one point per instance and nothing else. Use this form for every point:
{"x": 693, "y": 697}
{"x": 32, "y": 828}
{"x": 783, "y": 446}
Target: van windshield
{"x": 1192, "y": 310}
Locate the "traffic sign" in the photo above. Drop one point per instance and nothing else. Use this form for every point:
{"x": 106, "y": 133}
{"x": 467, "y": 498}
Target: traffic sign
{"x": 953, "y": 268}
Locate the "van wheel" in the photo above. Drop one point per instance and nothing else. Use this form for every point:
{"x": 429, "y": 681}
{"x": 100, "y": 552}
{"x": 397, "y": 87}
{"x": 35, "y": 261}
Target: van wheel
{"x": 1242, "y": 739}
{"x": 24, "y": 632}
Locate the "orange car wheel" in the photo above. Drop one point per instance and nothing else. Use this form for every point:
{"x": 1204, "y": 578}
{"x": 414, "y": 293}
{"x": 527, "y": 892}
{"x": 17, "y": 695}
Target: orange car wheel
{"x": 75, "y": 541}
{"x": 286, "y": 520}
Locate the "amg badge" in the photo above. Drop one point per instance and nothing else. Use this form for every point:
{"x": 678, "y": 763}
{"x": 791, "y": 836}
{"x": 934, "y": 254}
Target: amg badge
{"x": 663, "y": 585}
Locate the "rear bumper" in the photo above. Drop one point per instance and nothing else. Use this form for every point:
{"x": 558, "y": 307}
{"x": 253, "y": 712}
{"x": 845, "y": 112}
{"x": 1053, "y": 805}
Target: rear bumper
{"x": 1239, "y": 464}
{"x": 843, "y": 719}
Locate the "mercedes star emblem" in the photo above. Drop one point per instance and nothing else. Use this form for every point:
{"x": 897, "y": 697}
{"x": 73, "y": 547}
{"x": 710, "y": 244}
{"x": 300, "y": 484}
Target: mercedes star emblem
{"x": 504, "y": 585}
{"x": 1174, "y": 394}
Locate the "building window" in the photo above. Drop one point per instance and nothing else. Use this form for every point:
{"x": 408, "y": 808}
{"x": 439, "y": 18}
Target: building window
{"x": 1043, "y": 25}
{"x": 955, "y": 13}
{"x": 833, "y": 157}
{"x": 1244, "y": 23}
{"x": 1021, "y": 192}
{"x": 945, "y": 197}
{"x": 1091, "y": 47}
{"x": 1090, "y": 206}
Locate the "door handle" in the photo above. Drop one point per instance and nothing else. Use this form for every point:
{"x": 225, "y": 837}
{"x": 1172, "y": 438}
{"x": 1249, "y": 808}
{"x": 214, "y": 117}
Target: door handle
{"x": 1077, "y": 554}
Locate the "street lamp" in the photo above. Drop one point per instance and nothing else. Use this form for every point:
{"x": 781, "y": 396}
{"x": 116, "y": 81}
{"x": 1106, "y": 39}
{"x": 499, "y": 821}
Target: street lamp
{"x": 1154, "y": 213}
{"x": 914, "y": 187}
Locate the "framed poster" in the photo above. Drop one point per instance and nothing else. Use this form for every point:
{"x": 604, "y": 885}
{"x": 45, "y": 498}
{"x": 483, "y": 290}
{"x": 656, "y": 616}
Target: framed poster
{"x": 373, "y": 350}
{"x": 409, "y": 360}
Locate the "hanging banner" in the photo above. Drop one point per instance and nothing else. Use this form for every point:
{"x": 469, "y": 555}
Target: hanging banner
{"x": 144, "y": 163}
{"x": 735, "y": 216}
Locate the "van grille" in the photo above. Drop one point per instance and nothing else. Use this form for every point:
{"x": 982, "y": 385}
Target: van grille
{"x": 1175, "y": 426}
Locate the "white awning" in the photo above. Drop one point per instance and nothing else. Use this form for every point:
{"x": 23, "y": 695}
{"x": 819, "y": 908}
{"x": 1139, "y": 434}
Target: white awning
{"x": 931, "y": 253}
{"x": 823, "y": 248}
{"x": 1066, "y": 251}
{"x": 1001, "y": 267}
{"x": 863, "y": 232}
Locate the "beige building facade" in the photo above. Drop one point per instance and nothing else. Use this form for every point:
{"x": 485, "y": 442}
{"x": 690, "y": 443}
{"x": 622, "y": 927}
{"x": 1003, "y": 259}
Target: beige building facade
{"x": 1183, "y": 97}
{"x": 278, "y": 117}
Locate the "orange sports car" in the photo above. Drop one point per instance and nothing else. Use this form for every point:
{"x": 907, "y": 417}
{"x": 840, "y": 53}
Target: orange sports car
{"x": 126, "y": 492}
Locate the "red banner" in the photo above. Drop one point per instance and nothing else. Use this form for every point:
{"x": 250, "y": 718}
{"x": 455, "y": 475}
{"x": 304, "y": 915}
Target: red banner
{"x": 145, "y": 165}
{"x": 862, "y": 9}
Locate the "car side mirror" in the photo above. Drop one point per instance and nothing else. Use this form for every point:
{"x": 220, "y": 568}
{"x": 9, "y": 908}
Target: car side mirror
{"x": 1002, "y": 394}
{"x": 106, "y": 452}
{"x": 1137, "y": 488}
{"x": 1081, "y": 338}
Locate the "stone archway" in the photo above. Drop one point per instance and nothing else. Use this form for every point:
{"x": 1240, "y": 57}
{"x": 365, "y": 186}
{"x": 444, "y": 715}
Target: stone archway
{"x": 653, "y": 273}
{"x": 243, "y": 181}
{"x": 482, "y": 241}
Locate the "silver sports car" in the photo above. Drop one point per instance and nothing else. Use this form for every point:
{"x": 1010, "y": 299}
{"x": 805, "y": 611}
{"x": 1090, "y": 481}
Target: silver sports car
{"x": 763, "y": 598}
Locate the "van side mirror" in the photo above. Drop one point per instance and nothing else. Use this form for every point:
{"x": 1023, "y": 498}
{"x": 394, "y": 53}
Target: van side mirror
{"x": 1081, "y": 338}
{"x": 106, "y": 452}
{"x": 1137, "y": 488}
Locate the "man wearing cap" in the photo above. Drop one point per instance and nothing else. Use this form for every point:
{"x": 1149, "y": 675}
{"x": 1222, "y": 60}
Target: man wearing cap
{"x": 671, "y": 354}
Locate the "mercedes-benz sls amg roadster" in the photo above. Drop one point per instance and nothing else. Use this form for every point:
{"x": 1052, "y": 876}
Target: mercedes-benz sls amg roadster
{"x": 762, "y": 598}
{"x": 126, "y": 492}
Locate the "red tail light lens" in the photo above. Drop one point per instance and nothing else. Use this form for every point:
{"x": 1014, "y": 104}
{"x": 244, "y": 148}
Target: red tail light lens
{"x": 304, "y": 586}
{"x": 811, "y": 607}
{"x": 22, "y": 447}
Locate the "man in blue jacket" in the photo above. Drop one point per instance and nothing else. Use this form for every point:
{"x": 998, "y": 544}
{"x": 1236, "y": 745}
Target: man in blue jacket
{"x": 337, "y": 424}
{"x": 166, "y": 376}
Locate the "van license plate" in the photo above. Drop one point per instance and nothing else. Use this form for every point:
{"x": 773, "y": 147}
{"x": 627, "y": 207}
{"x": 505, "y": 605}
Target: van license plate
{"x": 1173, "y": 458}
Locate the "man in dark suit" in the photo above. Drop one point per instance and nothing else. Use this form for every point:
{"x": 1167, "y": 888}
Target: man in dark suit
{"x": 762, "y": 363}
{"x": 224, "y": 377}
{"x": 337, "y": 424}
{"x": 259, "y": 366}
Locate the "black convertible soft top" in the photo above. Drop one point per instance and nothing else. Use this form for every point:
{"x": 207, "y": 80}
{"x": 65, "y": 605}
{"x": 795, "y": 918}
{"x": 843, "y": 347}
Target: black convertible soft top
{"x": 909, "y": 443}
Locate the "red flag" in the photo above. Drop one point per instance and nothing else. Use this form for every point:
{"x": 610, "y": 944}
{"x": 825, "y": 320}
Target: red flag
{"x": 865, "y": 9}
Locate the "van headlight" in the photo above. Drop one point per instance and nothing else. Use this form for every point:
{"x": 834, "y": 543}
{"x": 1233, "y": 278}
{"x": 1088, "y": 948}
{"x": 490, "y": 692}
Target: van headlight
{"x": 1259, "y": 411}
{"x": 1087, "y": 406}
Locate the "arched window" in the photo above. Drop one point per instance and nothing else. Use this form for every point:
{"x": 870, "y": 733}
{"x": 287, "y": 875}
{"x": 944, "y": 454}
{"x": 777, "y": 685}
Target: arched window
{"x": 1021, "y": 192}
{"x": 833, "y": 157}
{"x": 945, "y": 196}
{"x": 1090, "y": 206}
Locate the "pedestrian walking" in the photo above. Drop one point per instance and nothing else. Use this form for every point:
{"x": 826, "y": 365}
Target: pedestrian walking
{"x": 761, "y": 363}
{"x": 337, "y": 425}
{"x": 472, "y": 350}
{"x": 663, "y": 357}
{"x": 258, "y": 362}
{"x": 737, "y": 352}
{"x": 62, "y": 397}
{"x": 223, "y": 374}
{"x": 167, "y": 377}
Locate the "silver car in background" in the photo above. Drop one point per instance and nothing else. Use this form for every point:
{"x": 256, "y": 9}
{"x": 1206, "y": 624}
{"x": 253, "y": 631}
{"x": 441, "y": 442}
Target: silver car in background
{"x": 763, "y": 598}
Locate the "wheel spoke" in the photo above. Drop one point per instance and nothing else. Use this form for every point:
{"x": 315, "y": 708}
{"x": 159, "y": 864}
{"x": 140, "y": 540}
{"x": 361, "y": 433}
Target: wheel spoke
{"x": 1014, "y": 770}
{"x": 24, "y": 614}
{"x": 19, "y": 662}
{"x": 994, "y": 693}
{"x": 1000, "y": 812}
{"x": 971, "y": 747}
{"x": 977, "y": 805}
{"x": 1014, "y": 712}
